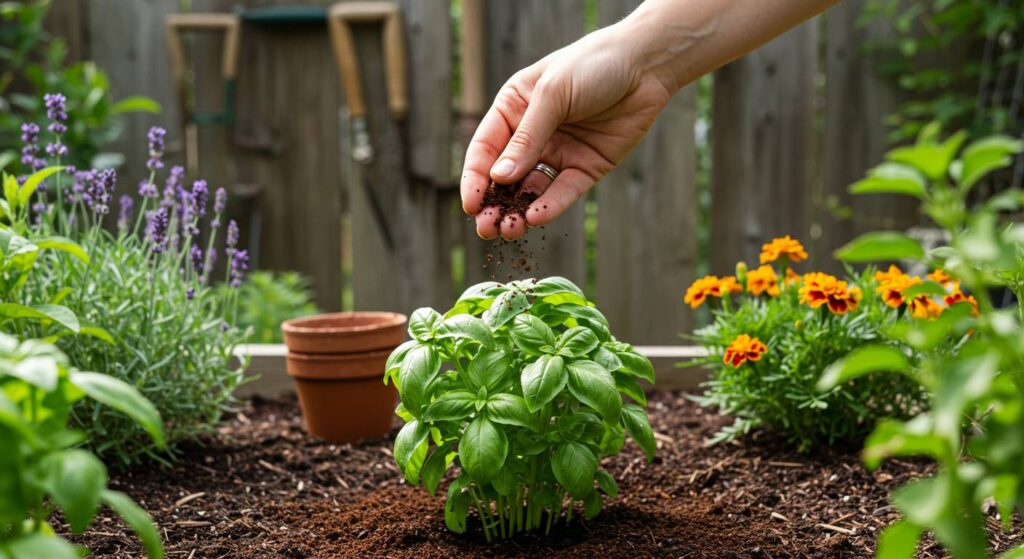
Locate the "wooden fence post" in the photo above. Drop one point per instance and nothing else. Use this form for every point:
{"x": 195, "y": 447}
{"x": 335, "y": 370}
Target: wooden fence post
{"x": 646, "y": 224}
{"x": 763, "y": 148}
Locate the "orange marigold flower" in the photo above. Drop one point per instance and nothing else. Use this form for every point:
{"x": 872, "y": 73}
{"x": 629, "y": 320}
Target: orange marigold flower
{"x": 958, "y": 296}
{"x": 892, "y": 289}
{"x": 743, "y": 349}
{"x": 823, "y": 289}
{"x": 940, "y": 277}
{"x": 923, "y": 306}
{"x": 792, "y": 277}
{"x": 726, "y": 286}
{"x": 699, "y": 291}
{"x": 893, "y": 273}
{"x": 783, "y": 247}
{"x": 763, "y": 280}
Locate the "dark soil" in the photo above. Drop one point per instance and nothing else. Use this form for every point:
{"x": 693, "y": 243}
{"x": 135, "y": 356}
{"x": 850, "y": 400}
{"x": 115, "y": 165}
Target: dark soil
{"x": 262, "y": 488}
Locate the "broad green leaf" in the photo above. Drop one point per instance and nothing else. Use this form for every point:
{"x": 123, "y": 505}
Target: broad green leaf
{"x": 489, "y": 369}
{"x": 394, "y": 362}
{"x": 543, "y": 380}
{"x": 505, "y": 482}
{"x": 986, "y": 155}
{"x": 39, "y": 546}
{"x": 607, "y": 359}
{"x": 63, "y": 244}
{"x": 579, "y": 341}
{"x": 7, "y": 157}
{"x": 591, "y": 317}
{"x": 898, "y": 541}
{"x": 506, "y": 307}
{"x": 412, "y": 435}
{"x": 40, "y": 371}
{"x": 124, "y": 398}
{"x": 456, "y": 507}
{"x": 861, "y": 361}
{"x": 434, "y": 468}
{"x": 591, "y": 384}
{"x": 423, "y": 322}
{"x": 419, "y": 369}
{"x": 922, "y": 501}
{"x": 450, "y": 406}
{"x": 592, "y": 504}
{"x": 575, "y": 466}
{"x": 913, "y": 438}
{"x": 467, "y": 327}
{"x": 1014, "y": 553}
{"x": 555, "y": 284}
{"x": 930, "y": 158}
{"x": 485, "y": 290}
{"x": 964, "y": 380}
{"x": 639, "y": 428}
{"x": 630, "y": 387}
{"x": 927, "y": 287}
{"x": 531, "y": 334}
{"x": 637, "y": 365}
{"x": 510, "y": 409}
{"x": 57, "y": 313}
{"x": 482, "y": 449}
{"x": 11, "y": 192}
{"x": 32, "y": 182}
{"x": 74, "y": 479}
{"x": 607, "y": 483}
{"x": 891, "y": 178}
{"x": 881, "y": 245}
{"x": 136, "y": 104}
{"x": 137, "y": 519}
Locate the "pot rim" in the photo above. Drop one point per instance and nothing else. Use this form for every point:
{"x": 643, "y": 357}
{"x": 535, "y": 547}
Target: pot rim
{"x": 337, "y": 357}
{"x": 295, "y": 326}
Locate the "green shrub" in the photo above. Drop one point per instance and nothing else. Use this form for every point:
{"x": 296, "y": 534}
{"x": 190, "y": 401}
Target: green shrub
{"x": 41, "y": 468}
{"x": 519, "y": 385}
{"x": 975, "y": 430}
{"x": 266, "y": 299}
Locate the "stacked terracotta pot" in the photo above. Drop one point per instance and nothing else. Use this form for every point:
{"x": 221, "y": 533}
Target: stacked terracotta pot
{"x": 337, "y": 362}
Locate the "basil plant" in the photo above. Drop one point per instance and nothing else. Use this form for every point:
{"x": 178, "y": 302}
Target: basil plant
{"x": 520, "y": 386}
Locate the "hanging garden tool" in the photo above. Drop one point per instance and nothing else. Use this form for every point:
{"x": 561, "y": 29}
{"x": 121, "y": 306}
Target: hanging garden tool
{"x": 340, "y": 17}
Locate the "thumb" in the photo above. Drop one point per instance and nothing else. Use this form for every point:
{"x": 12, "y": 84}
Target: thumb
{"x": 543, "y": 115}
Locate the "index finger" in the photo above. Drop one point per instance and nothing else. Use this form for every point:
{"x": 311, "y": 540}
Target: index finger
{"x": 487, "y": 144}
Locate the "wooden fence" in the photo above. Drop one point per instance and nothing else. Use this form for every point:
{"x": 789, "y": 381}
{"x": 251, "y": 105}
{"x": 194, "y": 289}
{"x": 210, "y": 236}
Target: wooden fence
{"x": 792, "y": 125}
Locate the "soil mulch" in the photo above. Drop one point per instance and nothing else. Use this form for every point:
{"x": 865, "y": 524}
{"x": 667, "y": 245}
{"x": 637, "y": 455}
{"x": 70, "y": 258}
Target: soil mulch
{"x": 262, "y": 488}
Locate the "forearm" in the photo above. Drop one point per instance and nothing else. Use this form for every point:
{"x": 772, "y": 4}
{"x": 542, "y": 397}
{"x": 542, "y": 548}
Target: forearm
{"x": 681, "y": 40}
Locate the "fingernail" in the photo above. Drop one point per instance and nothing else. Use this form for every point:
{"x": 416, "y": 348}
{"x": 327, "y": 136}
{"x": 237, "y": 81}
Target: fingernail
{"x": 503, "y": 168}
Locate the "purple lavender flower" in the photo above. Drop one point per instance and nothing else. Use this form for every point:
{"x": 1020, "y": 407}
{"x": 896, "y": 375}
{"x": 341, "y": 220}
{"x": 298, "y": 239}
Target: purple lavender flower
{"x": 189, "y": 223}
{"x": 125, "y": 207}
{"x": 156, "y": 148}
{"x": 174, "y": 181}
{"x": 55, "y": 111}
{"x": 147, "y": 189}
{"x": 220, "y": 203}
{"x": 30, "y": 137}
{"x": 56, "y": 149}
{"x": 200, "y": 198}
{"x": 39, "y": 208}
{"x": 78, "y": 186}
{"x": 195, "y": 255}
{"x": 100, "y": 189}
{"x": 211, "y": 259}
{"x": 156, "y": 229}
{"x": 190, "y": 293}
{"x": 239, "y": 264}
{"x": 232, "y": 240}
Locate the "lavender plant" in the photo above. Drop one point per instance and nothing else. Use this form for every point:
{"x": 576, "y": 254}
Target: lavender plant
{"x": 145, "y": 285}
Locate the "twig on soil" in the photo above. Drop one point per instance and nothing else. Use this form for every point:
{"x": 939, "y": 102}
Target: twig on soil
{"x": 188, "y": 499}
{"x": 785, "y": 464}
{"x": 778, "y": 516}
{"x": 273, "y": 468}
{"x": 836, "y": 529}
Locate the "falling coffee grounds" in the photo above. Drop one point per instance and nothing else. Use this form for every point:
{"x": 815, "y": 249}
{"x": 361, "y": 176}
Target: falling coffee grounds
{"x": 510, "y": 199}
{"x": 508, "y": 260}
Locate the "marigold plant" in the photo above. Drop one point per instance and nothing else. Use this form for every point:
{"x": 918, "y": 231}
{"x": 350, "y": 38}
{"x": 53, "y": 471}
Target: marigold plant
{"x": 769, "y": 345}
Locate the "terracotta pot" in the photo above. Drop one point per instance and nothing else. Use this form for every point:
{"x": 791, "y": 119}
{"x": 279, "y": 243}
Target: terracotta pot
{"x": 345, "y": 332}
{"x": 343, "y": 397}
{"x": 337, "y": 363}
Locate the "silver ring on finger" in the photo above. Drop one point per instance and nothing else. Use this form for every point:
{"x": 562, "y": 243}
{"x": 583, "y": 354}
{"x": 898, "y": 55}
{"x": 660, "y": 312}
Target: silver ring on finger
{"x": 547, "y": 170}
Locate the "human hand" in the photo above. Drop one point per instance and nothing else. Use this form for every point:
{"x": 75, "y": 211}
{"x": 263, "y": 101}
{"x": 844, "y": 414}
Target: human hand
{"x": 581, "y": 110}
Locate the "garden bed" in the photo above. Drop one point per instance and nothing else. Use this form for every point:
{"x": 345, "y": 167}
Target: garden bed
{"x": 261, "y": 488}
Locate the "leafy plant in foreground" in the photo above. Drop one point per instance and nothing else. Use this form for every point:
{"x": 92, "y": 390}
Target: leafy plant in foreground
{"x": 41, "y": 469}
{"x": 519, "y": 385}
{"x": 975, "y": 431}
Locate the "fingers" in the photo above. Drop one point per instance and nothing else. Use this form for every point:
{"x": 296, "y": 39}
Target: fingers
{"x": 481, "y": 153}
{"x": 489, "y": 223}
{"x": 542, "y": 117}
{"x": 568, "y": 187}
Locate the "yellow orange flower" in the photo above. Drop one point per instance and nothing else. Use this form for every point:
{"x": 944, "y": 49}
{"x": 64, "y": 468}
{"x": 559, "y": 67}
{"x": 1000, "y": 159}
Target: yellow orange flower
{"x": 744, "y": 348}
{"x": 792, "y": 277}
{"x": 783, "y": 247}
{"x": 763, "y": 280}
{"x": 823, "y": 289}
{"x": 710, "y": 286}
{"x": 958, "y": 296}
{"x": 923, "y": 306}
{"x": 941, "y": 277}
{"x": 892, "y": 289}
{"x": 888, "y": 276}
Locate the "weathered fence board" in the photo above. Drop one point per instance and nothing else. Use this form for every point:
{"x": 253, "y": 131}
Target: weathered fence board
{"x": 763, "y": 147}
{"x": 646, "y": 246}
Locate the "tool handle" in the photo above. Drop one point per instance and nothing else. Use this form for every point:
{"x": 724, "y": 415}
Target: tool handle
{"x": 227, "y": 23}
{"x": 340, "y": 19}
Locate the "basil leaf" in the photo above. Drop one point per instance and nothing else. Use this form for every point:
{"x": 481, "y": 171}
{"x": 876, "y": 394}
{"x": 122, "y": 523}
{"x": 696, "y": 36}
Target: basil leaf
{"x": 607, "y": 483}
{"x": 592, "y": 504}
{"x": 139, "y": 520}
{"x": 542, "y": 380}
{"x": 555, "y": 284}
{"x": 74, "y": 478}
{"x": 607, "y": 359}
{"x": 451, "y": 406}
{"x": 123, "y": 397}
{"x": 630, "y": 387}
{"x": 434, "y": 468}
{"x": 574, "y": 466}
{"x": 579, "y": 341}
{"x": 590, "y": 317}
{"x": 423, "y": 322}
{"x": 395, "y": 359}
{"x": 456, "y": 507}
{"x": 505, "y": 307}
{"x": 530, "y": 334}
{"x": 409, "y": 444}
{"x": 482, "y": 449}
{"x": 466, "y": 327}
{"x": 489, "y": 369}
{"x": 419, "y": 369}
{"x": 591, "y": 384}
{"x": 639, "y": 428}
{"x": 637, "y": 365}
{"x": 510, "y": 409}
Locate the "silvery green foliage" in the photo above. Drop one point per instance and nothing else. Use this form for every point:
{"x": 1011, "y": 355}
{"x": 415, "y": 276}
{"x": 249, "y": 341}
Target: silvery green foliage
{"x": 520, "y": 387}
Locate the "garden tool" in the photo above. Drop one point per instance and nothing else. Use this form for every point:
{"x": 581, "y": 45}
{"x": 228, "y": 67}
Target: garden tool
{"x": 340, "y": 17}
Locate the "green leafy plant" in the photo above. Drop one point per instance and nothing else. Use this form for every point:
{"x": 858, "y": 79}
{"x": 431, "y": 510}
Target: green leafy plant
{"x": 41, "y": 467}
{"x": 975, "y": 430}
{"x": 520, "y": 386}
{"x": 266, "y": 299}
{"x": 32, "y": 63}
